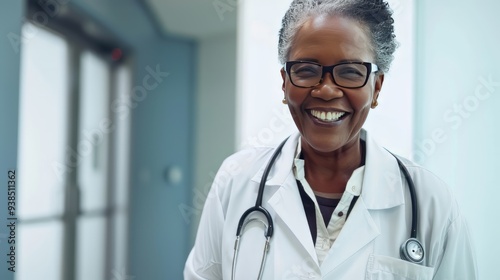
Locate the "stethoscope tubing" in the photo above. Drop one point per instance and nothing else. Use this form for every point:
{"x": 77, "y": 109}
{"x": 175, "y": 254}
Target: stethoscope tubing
{"x": 411, "y": 250}
{"x": 413, "y": 197}
{"x": 405, "y": 250}
{"x": 262, "y": 185}
{"x": 258, "y": 202}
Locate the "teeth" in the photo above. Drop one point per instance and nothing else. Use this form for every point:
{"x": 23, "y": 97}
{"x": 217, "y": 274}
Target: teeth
{"x": 327, "y": 116}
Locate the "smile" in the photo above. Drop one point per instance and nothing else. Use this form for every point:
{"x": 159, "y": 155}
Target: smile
{"x": 327, "y": 116}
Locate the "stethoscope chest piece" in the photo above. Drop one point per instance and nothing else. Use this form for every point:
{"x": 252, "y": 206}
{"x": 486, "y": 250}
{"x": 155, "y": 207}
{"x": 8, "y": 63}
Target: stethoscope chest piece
{"x": 412, "y": 251}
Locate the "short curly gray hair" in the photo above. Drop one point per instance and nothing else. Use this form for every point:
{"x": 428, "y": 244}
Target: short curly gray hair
{"x": 375, "y": 15}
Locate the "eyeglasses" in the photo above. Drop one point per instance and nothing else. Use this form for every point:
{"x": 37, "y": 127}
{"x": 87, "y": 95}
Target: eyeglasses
{"x": 351, "y": 75}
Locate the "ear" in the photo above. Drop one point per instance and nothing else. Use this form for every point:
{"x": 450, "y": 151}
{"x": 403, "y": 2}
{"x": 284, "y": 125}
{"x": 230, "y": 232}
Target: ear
{"x": 379, "y": 81}
{"x": 283, "y": 77}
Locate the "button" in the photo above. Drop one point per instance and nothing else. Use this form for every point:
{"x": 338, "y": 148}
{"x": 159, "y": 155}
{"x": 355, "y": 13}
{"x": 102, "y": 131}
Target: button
{"x": 353, "y": 188}
{"x": 341, "y": 214}
{"x": 326, "y": 244}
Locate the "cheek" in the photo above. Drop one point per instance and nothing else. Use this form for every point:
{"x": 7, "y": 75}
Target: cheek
{"x": 362, "y": 101}
{"x": 295, "y": 105}
{"x": 295, "y": 97}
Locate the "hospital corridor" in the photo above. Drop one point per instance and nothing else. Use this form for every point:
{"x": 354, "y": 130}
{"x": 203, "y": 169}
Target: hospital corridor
{"x": 118, "y": 117}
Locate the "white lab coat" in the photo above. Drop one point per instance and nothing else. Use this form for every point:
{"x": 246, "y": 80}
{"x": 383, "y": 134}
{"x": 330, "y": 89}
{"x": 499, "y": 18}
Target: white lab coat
{"x": 369, "y": 243}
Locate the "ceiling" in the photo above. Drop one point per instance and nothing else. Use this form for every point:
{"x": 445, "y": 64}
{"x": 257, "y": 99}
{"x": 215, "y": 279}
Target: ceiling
{"x": 196, "y": 19}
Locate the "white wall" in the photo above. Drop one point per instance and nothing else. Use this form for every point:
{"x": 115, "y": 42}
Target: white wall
{"x": 458, "y": 99}
{"x": 261, "y": 118}
{"x": 391, "y": 123}
{"x": 215, "y": 111}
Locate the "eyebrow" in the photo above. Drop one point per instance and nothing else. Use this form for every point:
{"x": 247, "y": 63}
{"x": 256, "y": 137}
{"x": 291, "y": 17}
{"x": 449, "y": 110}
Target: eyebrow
{"x": 317, "y": 61}
{"x": 307, "y": 59}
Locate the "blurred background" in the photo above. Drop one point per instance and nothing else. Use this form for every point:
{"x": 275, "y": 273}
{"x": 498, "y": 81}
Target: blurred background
{"x": 117, "y": 113}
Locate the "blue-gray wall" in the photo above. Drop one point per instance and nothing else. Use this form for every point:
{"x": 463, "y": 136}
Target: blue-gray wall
{"x": 161, "y": 138}
{"x": 10, "y": 23}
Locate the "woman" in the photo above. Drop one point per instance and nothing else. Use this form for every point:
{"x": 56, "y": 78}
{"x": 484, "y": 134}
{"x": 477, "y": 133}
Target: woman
{"x": 340, "y": 204}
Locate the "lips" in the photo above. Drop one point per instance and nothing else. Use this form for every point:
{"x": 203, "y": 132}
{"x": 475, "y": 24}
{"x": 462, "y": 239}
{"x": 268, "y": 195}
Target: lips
{"x": 327, "y": 116}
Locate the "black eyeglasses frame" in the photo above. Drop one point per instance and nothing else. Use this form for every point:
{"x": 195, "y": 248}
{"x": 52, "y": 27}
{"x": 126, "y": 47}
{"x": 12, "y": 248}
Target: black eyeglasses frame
{"x": 370, "y": 67}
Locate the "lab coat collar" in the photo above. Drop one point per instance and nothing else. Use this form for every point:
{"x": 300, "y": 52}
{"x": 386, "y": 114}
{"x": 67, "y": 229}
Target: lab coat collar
{"x": 284, "y": 164}
{"x": 382, "y": 183}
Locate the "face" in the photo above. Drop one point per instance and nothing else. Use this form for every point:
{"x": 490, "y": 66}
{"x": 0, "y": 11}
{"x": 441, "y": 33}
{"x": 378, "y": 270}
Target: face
{"x": 329, "y": 40}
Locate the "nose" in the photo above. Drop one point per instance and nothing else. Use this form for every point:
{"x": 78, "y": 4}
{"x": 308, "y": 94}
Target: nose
{"x": 327, "y": 89}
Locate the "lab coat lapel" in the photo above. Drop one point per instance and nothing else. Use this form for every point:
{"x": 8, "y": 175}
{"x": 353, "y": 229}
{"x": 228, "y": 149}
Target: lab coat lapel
{"x": 287, "y": 204}
{"x": 358, "y": 231}
{"x": 285, "y": 201}
{"x": 382, "y": 189}
{"x": 383, "y": 182}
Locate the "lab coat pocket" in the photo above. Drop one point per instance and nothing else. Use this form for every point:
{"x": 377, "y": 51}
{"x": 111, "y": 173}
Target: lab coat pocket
{"x": 388, "y": 268}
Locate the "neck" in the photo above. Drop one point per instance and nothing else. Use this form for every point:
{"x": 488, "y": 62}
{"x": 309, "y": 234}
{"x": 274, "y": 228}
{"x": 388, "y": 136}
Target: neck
{"x": 329, "y": 172}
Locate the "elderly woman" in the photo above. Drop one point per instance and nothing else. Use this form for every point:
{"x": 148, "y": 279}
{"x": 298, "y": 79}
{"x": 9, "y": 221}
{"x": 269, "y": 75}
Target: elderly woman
{"x": 334, "y": 204}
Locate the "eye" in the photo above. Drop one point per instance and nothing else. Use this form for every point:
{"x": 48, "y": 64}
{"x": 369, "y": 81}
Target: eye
{"x": 305, "y": 70}
{"x": 351, "y": 72}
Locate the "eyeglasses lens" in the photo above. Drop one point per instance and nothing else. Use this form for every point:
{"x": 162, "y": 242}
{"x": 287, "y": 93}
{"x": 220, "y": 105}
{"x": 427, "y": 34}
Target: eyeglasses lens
{"x": 349, "y": 75}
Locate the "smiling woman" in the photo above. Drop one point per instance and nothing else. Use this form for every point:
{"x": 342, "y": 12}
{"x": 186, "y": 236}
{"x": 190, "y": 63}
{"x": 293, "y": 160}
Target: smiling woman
{"x": 334, "y": 204}
{"x": 348, "y": 93}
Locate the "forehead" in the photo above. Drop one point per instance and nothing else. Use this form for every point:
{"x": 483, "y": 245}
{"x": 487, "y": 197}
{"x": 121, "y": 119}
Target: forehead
{"x": 330, "y": 39}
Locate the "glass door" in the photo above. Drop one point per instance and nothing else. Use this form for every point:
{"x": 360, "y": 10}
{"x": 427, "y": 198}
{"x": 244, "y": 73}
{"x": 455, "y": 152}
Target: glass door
{"x": 73, "y": 160}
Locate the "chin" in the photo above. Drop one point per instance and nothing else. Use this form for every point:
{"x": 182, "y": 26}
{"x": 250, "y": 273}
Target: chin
{"x": 324, "y": 144}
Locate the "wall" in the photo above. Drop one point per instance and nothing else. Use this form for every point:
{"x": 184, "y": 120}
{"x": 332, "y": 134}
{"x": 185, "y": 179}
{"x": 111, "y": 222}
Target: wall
{"x": 457, "y": 101}
{"x": 161, "y": 138}
{"x": 10, "y": 17}
{"x": 215, "y": 111}
{"x": 391, "y": 122}
{"x": 259, "y": 79}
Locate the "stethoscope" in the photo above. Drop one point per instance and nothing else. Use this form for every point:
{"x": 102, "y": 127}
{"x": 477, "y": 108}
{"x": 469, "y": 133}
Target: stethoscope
{"x": 411, "y": 250}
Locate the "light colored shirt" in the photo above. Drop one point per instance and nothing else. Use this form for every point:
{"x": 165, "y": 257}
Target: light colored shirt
{"x": 326, "y": 235}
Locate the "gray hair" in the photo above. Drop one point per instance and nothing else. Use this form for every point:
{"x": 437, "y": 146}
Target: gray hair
{"x": 374, "y": 15}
